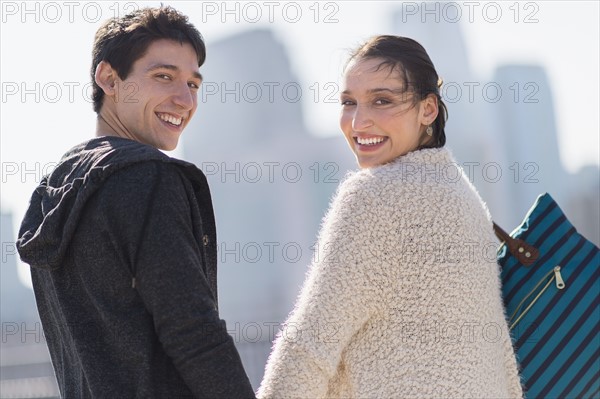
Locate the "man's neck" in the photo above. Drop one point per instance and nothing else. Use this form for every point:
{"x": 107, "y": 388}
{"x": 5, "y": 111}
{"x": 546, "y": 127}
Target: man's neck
{"x": 104, "y": 128}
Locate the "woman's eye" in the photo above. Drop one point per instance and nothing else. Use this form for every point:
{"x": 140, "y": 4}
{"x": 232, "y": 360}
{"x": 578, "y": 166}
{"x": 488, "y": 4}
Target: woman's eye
{"x": 382, "y": 101}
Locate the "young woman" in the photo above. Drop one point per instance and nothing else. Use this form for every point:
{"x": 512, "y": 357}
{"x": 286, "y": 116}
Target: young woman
{"x": 403, "y": 299}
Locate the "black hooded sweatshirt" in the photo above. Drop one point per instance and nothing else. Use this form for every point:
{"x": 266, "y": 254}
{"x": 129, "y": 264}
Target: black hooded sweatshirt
{"x": 121, "y": 242}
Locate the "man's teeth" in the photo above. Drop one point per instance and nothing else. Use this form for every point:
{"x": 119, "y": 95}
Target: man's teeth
{"x": 170, "y": 119}
{"x": 369, "y": 141}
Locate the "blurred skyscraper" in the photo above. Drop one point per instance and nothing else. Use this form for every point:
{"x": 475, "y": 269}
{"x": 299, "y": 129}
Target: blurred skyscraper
{"x": 18, "y": 302}
{"x": 270, "y": 180}
{"x": 25, "y": 368}
{"x": 524, "y": 119}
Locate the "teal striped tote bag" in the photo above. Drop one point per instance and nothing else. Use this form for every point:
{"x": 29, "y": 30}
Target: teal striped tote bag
{"x": 551, "y": 288}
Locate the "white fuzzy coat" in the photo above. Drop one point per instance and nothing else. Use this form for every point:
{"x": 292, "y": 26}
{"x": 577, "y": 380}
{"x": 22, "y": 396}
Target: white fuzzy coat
{"x": 403, "y": 299}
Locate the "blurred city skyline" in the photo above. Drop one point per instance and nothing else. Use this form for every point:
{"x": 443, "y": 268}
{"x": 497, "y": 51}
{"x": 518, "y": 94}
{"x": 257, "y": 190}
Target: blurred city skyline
{"x": 273, "y": 169}
{"x": 42, "y": 78}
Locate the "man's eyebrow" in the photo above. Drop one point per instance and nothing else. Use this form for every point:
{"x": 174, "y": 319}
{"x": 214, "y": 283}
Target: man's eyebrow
{"x": 172, "y": 68}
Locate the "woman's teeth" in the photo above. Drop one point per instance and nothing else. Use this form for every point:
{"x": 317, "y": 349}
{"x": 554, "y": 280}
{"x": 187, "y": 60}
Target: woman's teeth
{"x": 369, "y": 141}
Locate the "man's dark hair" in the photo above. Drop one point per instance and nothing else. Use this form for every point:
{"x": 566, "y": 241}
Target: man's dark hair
{"x": 122, "y": 41}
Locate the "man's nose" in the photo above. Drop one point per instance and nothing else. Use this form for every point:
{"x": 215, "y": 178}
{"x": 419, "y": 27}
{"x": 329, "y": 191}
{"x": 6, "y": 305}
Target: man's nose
{"x": 184, "y": 97}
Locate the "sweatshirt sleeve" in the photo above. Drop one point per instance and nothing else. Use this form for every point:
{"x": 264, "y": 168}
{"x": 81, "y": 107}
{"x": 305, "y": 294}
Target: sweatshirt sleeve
{"x": 347, "y": 282}
{"x": 153, "y": 220}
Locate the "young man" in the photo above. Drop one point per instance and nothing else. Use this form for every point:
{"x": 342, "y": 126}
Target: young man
{"x": 121, "y": 238}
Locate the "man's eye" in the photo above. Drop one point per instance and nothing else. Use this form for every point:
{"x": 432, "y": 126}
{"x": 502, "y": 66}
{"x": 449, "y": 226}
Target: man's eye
{"x": 346, "y": 102}
{"x": 194, "y": 85}
{"x": 163, "y": 76}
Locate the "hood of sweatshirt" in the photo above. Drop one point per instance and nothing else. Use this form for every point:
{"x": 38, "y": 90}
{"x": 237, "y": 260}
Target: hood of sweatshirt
{"x": 58, "y": 201}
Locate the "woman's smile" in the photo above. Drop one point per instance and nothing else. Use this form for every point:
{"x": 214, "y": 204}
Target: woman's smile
{"x": 369, "y": 144}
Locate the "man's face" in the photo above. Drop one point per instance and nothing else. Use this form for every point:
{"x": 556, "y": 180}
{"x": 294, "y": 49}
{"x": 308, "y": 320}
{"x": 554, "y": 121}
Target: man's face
{"x": 159, "y": 97}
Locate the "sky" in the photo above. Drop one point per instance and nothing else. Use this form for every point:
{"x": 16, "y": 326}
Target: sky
{"x": 46, "y": 51}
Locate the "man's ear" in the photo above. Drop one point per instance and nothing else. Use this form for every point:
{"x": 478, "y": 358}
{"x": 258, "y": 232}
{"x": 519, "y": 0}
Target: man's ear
{"x": 429, "y": 109}
{"x": 105, "y": 77}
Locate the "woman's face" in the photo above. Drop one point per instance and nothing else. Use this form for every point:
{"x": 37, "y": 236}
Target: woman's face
{"x": 379, "y": 118}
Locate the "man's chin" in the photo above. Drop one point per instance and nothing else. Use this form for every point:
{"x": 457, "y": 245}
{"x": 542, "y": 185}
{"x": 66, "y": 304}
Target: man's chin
{"x": 167, "y": 145}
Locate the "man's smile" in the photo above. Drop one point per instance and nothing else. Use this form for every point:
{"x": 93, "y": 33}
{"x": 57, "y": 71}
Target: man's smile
{"x": 170, "y": 118}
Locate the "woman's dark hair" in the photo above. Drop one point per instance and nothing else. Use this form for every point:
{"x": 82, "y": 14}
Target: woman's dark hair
{"x": 122, "y": 41}
{"x": 410, "y": 59}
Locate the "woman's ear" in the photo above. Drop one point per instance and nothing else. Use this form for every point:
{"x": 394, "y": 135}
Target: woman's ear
{"x": 429, "y": 110}
{"x": 105, "y": 77}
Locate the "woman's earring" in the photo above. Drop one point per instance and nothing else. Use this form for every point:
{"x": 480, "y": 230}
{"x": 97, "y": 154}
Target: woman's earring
{"x": 429, "y": 130}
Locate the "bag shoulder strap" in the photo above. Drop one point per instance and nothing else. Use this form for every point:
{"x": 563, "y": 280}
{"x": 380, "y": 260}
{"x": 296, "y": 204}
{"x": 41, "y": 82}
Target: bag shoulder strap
{"x": 526, "y": 254}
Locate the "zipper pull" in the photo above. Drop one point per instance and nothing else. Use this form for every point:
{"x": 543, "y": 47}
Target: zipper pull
{"x": 560, "y": 284}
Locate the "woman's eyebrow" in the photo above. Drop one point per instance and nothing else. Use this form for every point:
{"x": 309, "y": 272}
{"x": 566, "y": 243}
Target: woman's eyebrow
{"x": 398, "y": 90}
{"x": 395, "y": 91}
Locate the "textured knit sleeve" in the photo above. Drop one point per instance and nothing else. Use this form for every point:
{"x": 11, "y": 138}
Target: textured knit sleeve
{"x": 345, "y": 285}
{"x": 152, "y": 223}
